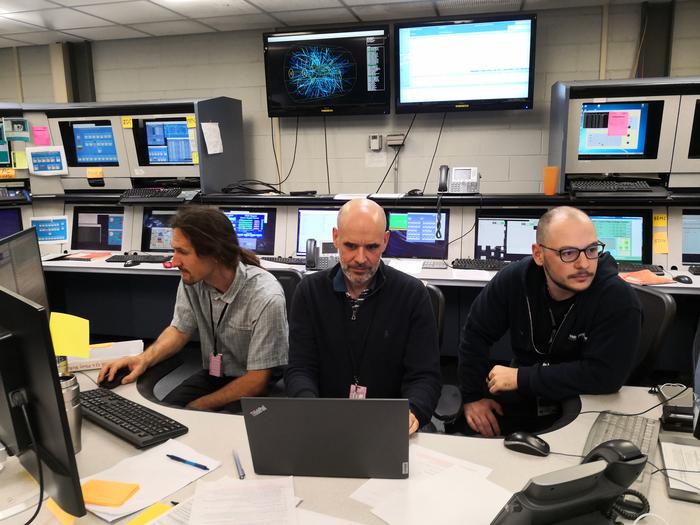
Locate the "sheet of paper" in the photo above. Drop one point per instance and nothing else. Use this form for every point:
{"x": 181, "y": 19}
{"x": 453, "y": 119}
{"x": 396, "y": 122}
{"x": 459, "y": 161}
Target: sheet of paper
{"x": 472, "y": 275}
{"x": 70, "y": 334}
{"x": 423, "y": 463}
{"x": 410, "y": 266}
{"x": 660, "y": 242}
{"x": 212, "y": 137}
{"x": 177, "y": 515}
{"x": 660, "y": 220}
{"x": 157, "y": 476}
{"x": 250, "y": 501}
{"x": 386, "y": 195}
{"x": 682, "y": 457}
{"x": 41, "y": 135}
{"x": 309, "y": 517}
{"x": 349, "y": 196}
{"x": 104, "y": 353}
{"x": 19, "y": 160}
{"x": 461, "y": 495}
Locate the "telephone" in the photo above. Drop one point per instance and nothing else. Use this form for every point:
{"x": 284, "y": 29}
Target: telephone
{"x": 320, "y": 258}
{"x": 458, "y": 180}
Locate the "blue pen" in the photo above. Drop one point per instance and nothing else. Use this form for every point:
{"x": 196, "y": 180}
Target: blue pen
{"x": 187, "y": 462}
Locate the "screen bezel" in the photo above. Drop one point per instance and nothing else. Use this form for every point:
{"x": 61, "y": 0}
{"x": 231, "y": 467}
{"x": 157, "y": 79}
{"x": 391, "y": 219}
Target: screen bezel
{"x": 494, "y": 213}
{"x": 109, "y": 210}
{"x": 272, "y": 219}
{"x": 68, "y": 139}
{"x": 445, "y": 228}
{"x": 145, "y": 239}
{"x": 684, "y": 261}
{"x": 522, "y": 103}
{"x": 301, "y": 110}
{"x": 647, "y": 228}
{"x": 299, "y": 210}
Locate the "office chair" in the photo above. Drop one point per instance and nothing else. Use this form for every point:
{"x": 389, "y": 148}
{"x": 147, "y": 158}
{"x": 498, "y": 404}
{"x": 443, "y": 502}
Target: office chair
{"x": 658, "y": 312}
{"x": 289, "y": 278}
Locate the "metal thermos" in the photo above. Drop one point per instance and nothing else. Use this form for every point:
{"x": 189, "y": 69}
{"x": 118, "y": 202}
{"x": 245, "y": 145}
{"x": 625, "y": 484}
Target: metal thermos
{"x": 71, "y": 398}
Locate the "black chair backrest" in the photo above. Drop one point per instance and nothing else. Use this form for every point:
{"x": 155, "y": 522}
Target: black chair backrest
{"x": 289, "y": 278}
{"x": 658, "y": 312}
{"x": 437, "y": 301}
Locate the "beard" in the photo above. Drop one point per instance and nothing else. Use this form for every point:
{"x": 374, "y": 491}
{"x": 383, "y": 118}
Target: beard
{"x": 361, "y": 279}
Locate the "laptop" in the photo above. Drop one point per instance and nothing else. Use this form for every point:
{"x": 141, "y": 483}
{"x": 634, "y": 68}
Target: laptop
{"x": 352, "y": 438}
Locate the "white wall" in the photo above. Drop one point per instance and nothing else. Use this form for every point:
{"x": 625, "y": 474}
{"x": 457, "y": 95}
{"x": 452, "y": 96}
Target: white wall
{"x": 35, "y": 67}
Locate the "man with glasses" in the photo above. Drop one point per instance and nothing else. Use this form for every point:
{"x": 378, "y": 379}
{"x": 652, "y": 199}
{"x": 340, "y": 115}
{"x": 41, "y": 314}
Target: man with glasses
{"x": 574, "y": 328}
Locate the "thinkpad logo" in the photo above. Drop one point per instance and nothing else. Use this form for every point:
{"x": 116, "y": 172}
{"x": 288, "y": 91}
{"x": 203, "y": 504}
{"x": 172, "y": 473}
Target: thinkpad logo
{"x": 258, "y": 411}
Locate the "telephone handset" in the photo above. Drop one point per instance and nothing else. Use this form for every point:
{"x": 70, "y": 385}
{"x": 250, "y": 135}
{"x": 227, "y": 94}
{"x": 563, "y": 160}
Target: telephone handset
{"x": 458, "y": 180}
{"x": 311, "y": 254}
{"x": 320, "y": 258}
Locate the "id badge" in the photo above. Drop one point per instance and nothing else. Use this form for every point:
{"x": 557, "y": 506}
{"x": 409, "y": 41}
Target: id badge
{"x": 358, "y": 392}
{"x": 215, "y": 365}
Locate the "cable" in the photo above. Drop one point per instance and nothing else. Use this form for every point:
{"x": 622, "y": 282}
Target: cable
{"x": 636, "y": 413}
{"x": 85, "y": 374}
{"x": 397, "y": 153}
{"x": 325, "y": 145}
{"x": 438, "y": 224}
{"x": 19, "y": 398}
{"x": 437, "y": 143}
{"x": 665, "y": 471}
{"x": 294, "y": 156}
{"x": 649, "y": 514}
{"x": 248, "y": 187}
{"x": 625, "y": 510}
{"x": 274, "y": 152}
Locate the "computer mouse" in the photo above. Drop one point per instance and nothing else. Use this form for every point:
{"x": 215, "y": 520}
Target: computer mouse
{"x": 526, "y": 443}
{"x": 130, "y": 262}
{"x": 415, "y": 192}
{"x": 118, "y": 376}
{"x": 683, "y": 279}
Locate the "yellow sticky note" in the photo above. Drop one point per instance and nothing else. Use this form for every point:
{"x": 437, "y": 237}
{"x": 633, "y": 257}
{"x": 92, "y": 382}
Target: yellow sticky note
{"x": 95, "y": 173}
{"x": 660, "y": 242}
{"x": 101, "y": 345}
{"x": 191, "y": 121}
{"x": 150, "y": 513}
{"x": 70, "y": 335}
{"x": 108, "y": 493}
{"x": 19, "y": 160}
{"x": 61, "y": 515}
{"x": 127, "y": 122}
{"x": 195, "y": 157}
{"x": 7, "y": 173}
{"x": 660, "y": 220}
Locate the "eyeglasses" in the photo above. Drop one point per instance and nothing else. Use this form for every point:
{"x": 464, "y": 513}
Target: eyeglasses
{"x": 570, "y": 254}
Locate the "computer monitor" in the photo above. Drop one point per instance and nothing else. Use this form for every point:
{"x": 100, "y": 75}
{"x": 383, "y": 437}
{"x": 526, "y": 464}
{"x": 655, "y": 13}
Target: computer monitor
{"x": 505, "y": 235}
{"x": 156, "y": 235}
{"x": 10, "y": 221}
{"x": 89, "y": 143}
{"x": 5, "y": 151}
{"x": 315, "y": 223}
{"x": 686, "y": 152}
{"x": 28, "y": 363}
{"x": 627, "y": 234}
{"x": 97, "y": 228}
{"x": 691, "y": 237}
{"x": 20, "y": 266}
{"x": 414, "y": 233}
{"x": 255, "y": 228}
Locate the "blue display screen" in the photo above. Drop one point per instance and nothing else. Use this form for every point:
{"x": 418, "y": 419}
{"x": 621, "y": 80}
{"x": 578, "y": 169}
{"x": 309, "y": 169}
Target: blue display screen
{"x": 255, "y": 229}
{"x": 415, "y": 234}
{"x": 47, "y": 161}
{"x": 168, "y": 142}
{"x": 613, "y": 129}
{"x": 94, "y": 144}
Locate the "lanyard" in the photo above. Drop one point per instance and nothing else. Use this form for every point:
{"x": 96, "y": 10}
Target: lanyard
{"x": 353, "y": 362}
{"x": 211, "y": 317}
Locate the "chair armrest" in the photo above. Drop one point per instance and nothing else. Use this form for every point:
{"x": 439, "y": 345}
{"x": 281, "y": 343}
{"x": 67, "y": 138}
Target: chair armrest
{"x": 449, "y": 405}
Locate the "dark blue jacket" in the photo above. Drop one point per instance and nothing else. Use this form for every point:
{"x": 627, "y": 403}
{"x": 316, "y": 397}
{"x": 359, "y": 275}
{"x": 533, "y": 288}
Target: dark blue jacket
{"x": 594, "y": 350}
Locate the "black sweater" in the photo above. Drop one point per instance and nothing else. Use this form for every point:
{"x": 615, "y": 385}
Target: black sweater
{"x": 400, "y": 355}
{"x": 594, "y": 350}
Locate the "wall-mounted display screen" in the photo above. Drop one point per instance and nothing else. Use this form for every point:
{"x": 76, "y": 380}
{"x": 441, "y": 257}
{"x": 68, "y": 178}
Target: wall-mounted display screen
{"x": 417, "y": 234}
{"x": 97, "y": 228}
{"x": 465, "y": 64}
{"x": 156, "y": 233}
{"x": 326, "y": 72}
{"x": 255, "y": 228}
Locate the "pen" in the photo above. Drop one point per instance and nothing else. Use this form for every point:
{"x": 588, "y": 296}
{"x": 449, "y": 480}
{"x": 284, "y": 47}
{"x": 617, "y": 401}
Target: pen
{"x": 187, "y": 462}
{"x": 239, "y": 467}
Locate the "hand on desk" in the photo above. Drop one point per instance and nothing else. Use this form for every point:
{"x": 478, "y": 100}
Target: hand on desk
{"x": 480, "y": 417}
{"x": 412, "y": 423}
{"x": 502, "y": 379}
{"x": 136, "y": 365}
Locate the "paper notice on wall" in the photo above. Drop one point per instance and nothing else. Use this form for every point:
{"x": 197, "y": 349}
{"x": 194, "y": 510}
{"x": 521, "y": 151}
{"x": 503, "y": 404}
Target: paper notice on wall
{"x": 41, "y": 135}
{"x": 660, "y": 244}
{"x": 660, "y": 220}
{"x": 212, "y": 137}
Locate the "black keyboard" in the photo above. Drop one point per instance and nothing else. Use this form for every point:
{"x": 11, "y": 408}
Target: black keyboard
{"x": 632, "y": 267}
{"x": 608, "y": 185}
{"x": 694, "y": 269}
{"x": 492, "y": 265}
{"x": 285, "y": 260}
{"x": 146, "y": 193}
{"x": 140, "y": 426}
{"x": 141, "y": 257}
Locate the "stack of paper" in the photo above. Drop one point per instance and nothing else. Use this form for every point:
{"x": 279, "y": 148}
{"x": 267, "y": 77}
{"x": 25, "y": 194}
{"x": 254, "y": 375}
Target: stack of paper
{"x": 101, "y": 354}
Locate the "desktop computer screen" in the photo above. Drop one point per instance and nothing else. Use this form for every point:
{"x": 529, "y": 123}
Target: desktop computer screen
{"x": 255, "y": 228}
{"x": 162, "y": 142}
{"x": 89, "y": 143}
{"x": 97, "y": 228}
{"x": 10, "y": 221}
{"x": 315, "y": 224}
{"x": 623, "y": 233}
{"x": 414, "y": 233}
{"x": 505, "y": 235}
{"x": 157, "y": 233}
{"x": 20, "y": 266}
{"x": 691, "y": 237}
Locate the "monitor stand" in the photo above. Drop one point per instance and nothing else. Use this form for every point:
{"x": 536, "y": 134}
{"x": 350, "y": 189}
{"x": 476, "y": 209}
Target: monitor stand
{"x": 18, "y": 490}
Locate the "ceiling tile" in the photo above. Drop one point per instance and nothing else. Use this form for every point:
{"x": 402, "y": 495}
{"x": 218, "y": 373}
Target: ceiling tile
{"x": 6, "y": 42}
{"x": 72, "y": 3}
{"x": 177, "y": 27}
{"x": 131, "y": 12}
{"x": 61, "y": 18}
{"x": 316, "y": 16}
{"x": 373, "y": 2}
{"x": 107, "y": 33}
{"x": 10, "y": 6}
{"x": 293, "y": 5}
{"x": 208, "y": 8}
{"x": 241, "y": 22}
{"x": 394, "y": 11}
{"x": 12, "y": 26}
{"x": 47, "y": 37}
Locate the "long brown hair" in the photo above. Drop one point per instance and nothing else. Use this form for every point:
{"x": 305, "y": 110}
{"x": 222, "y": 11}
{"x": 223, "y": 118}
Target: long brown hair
{"x": 212, "y": 235}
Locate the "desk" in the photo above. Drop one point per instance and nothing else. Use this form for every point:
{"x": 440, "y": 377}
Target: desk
{"x": 511, "y": 470}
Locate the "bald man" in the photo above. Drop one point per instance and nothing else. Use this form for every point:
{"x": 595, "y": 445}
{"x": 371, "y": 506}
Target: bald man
{"x": 363, "y": 329}
{"x": 574, "y": 327}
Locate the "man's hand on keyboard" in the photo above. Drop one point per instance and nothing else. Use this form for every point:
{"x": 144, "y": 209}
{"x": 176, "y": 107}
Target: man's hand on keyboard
{"x": 502, "y": 379}
{"x": 480, "y": 417}
{"x": 136, "y": 365}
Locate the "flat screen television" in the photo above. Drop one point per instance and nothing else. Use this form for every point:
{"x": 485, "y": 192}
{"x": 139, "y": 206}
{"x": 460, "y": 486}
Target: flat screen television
{"x": 465, "y": 64}
{"x": 341, "y": 71}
